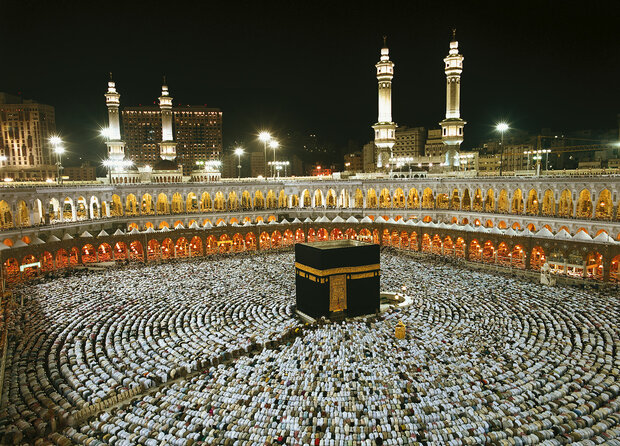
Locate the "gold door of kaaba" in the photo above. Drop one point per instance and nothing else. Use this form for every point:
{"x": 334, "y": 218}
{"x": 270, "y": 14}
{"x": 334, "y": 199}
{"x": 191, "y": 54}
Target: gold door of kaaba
{"x": 338, "y": 292}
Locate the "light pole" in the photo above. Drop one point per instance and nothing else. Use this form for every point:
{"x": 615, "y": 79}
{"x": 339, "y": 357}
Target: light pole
{"x": 273, "y": 144}
{"x": 501, "y": 127}
{"x": 239, "y": 152}
{"x": 56, "y": 143}
{"x": 265, "y": 137}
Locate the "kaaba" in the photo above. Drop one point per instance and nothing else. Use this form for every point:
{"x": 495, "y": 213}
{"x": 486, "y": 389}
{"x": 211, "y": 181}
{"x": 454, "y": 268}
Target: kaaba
{"x": 337, "y": 279}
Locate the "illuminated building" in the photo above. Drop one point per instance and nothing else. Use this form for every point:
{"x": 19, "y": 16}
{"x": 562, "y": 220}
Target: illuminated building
{"x": 409, "y": 141}
{"x": 452, "y": 126}
{"x": 385, "y": 129}
{"x": 25, "y": 129}
{"x": 197, "y": 131}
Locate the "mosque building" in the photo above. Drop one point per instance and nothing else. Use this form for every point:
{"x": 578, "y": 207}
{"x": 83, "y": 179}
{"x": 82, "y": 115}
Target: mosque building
{"x": 159, "y": 309}
{"x": 167, "y": 167}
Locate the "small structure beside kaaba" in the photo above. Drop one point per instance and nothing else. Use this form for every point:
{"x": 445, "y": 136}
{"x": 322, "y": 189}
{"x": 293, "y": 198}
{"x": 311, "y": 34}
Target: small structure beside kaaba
{"x": 337, "y": 279}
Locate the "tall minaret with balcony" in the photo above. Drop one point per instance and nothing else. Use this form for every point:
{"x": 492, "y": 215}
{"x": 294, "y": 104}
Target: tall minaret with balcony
{"x": 385, "y": 129}
{"x": 452, "y": 126}
{"x": 116, "y": 147}
{"x": 167, "y": 147}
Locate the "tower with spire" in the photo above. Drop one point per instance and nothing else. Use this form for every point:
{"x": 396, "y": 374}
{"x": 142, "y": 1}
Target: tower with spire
{"x": 167, "y": 147}
{"x": 116, "y": 147}
{"x": 452, "y": 125}
{"x": 385, "y": 129}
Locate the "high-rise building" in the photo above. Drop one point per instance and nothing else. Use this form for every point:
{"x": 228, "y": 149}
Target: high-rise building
{"x": 369, "y": 157}
{"x": 354, "y": 162}
{"x": 434, "y": 143}
{"x": 452, "y": 126}
{"x": 409, "y": 142}
{"x": 197, "y": 131}
{"x": 385, "y": 129}
{"x": 25, "y": 129}
{"x": 257, "y": 163}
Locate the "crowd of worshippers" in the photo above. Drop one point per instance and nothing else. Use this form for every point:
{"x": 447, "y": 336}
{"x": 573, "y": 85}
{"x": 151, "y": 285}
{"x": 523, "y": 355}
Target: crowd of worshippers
{"x": 487, "y": 359}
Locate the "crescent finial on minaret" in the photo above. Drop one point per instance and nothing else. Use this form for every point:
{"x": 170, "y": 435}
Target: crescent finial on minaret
{"x": 384, "y": 41}
{"x": 111, "y": 75}
{"x": 164, "y": 79}
{"x": 453, "y": 34}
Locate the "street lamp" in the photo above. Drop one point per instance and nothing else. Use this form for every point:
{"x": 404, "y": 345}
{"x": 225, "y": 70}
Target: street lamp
{"x": 501, "y": 127}
{"x": 239, "y": 152}
{"x": 56, "y": 142}
{"x": 273, "y": 144}
{"x": 265, "y": 137}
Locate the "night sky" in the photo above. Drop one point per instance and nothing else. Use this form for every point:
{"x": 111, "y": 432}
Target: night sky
{"x": 308, "y": 66}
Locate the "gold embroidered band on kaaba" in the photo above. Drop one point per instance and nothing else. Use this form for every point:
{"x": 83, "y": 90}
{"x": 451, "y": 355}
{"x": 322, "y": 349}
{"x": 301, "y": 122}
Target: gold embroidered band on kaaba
{"x": 332, "y": 271}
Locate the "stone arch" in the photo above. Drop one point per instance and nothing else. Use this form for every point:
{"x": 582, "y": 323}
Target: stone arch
{"x": 477, "y": 203}
{"x": 233, "y": 201}
{"x": 442, "y": 201}
{"x": 288, "y": 238}
{"x": 428, "y": 200}
{"x": 147, "y": 207}
{"x": 246, "y": 201}
{"x": 177, "y": 203}
{"x": 385, "y": 200}
{"x": 466, "y": 201}
{"x": 358, "y": 201}
{"x": 120, "y": 251}
{"x": 282, "y": 200}
{"x": 162, "y": 204}
{"x": 604, "y": 206}
{"x": 531, "y": 205}
{"x": 89, "y": 253}
{"x": 205, "y": 203}
{"x": 191, "y": 203}
{"x": 398, "y": 199}
{"x": 413, "y": 199}
{"x": 219, "y": 202}
{"x": 455, "y": 200}
{"x": 565, "y": 206}
{"x": 94, "y": 208}
{"x": 502, "y": 202}
{"x": 537, "y": 258}
{"x": 371, "y": 199}
{"x": 584, "y": 205}
{"x": 131, "y": 205}
{"x": 516, "y": 206}
{"x": 68, "y": 209}
{"x": 23, "y": 214}
{"x": 136, "y": 251}
{"x": 614, "y": 270}
{"x": 489, "y": 201}
{"x": 81, "y": 209}
{"x": 294, "y": 201}
{"x": 306, "y": 199}
{"x": 594, "y": 265}
{"x": 548, "y": 206}
{"x": 331, "y": 199}
{"x": 259, "y": 200}
{"x": 238, "y": 244}
{"x": 53, "y": 210}
{"x": 116, "y": 206}
{"x": 270, "y": 201}
{"x": 318, "y": 198}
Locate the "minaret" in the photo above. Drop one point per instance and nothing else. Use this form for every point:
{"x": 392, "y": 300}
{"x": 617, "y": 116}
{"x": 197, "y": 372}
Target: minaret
{"x": 167, "y": 147}
{"x": 116, "y": 147}
{"x": 452, "y": 126}
{"x": 385, "y": 129}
